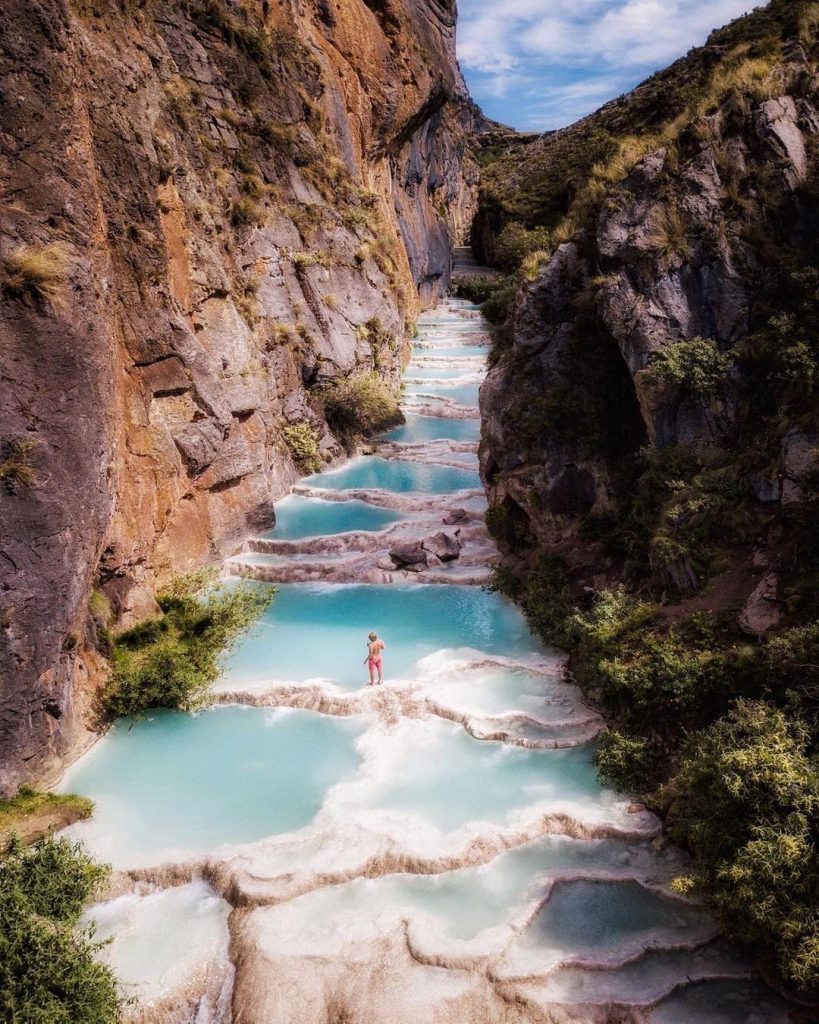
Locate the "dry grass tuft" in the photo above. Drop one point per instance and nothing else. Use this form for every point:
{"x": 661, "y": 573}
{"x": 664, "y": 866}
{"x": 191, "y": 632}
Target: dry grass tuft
{"x": 19, "y": 455}
{"x": 35, "y": 272}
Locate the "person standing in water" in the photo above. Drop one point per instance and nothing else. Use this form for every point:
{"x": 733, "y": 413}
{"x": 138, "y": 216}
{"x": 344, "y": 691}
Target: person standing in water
{"x": 373, "y": 659}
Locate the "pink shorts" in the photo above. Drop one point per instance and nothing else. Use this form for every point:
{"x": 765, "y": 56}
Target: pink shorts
{"x": 375, "y": 663}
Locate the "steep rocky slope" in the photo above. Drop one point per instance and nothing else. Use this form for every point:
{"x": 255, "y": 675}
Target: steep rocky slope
{"x": 212, "y": 211}
{"x": 651, "y": 448}
{"x": 671, "y": 306}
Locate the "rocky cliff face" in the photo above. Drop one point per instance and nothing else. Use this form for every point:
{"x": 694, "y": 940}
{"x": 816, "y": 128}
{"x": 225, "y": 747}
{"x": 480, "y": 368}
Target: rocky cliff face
{"x": 652, "y": 413}
{"x": 211, "y": 210}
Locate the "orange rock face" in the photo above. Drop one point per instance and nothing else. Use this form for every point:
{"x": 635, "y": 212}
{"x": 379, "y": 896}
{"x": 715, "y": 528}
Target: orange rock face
{"x": 246, "y": 202}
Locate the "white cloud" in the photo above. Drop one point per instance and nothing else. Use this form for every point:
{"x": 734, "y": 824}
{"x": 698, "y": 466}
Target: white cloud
{"x": 509, "y": 48}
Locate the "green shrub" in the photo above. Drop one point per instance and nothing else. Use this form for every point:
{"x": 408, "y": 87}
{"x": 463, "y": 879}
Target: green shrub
{"x": 632, "y": 765}
{"x": 696, "y": 366}
{"x": 48, "y": 970}
{"x": 302, "y": 441}
{"x": 172, "y": 661}
{"x": 795, "y": 357}
{"x": 493, "y": 294}
{"x": 515, "y": 243}
{"x": 661, "y": 684}
{"x": 546, "y": 600}
{"x": 747, "y": 806}
{"x": 474, "y": 289}
{"x": 358, "y": 406}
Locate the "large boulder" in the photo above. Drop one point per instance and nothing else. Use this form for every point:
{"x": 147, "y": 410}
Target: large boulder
{"x": 411, "y": 555}
{"x": 762, "y": 610}
{"x": 443, "y": 545}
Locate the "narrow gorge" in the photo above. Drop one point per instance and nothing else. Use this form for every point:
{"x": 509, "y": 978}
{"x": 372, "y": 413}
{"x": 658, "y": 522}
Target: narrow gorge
{"x": 296, "y": 344}
{"x": 434, "y": 848}
{"x": 234, "y": 205}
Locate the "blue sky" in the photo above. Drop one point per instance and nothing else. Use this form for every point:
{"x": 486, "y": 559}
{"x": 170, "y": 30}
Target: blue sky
{"x": 537, "y": 64}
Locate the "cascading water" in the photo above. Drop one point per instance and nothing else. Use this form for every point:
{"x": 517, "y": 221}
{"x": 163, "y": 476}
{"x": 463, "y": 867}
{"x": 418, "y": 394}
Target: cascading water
{"x": 437, "y": 849}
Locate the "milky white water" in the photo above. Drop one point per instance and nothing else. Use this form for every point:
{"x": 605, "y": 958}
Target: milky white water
{"x": 438, "y": 849}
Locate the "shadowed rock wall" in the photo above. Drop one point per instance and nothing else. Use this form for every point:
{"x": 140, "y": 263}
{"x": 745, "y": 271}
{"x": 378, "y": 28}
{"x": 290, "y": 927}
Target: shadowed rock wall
{"x": 233, "y": 205}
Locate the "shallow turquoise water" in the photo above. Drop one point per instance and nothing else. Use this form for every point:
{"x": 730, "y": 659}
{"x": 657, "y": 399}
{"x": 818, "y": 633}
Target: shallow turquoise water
{"x": 582, "y": 917}
{"x": 434, "y": 428}
{"x": 452, "y": 328}
{"x": 189, "y": 784}
{"x": 393, "y": 475}
{"x": 435, "y": 349}
{"x": 469, "y": 900}
{"x": 440, "y": 372}
{"x": 721, "y": 1002}
{"x": 320, "y": 631}
{"x": 298, "y": 517}
{"x": 463, "y": 394}
{"x": 452, "y": 779}
{"x": 174, "y": 785}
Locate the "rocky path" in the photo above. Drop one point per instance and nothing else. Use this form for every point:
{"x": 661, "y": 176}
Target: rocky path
{"x": 464, "y": 264}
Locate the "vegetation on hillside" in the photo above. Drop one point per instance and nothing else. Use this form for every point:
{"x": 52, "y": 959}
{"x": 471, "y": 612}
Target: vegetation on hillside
{"x": 36, "y": 273}
{"x": 303, "y": 442}
{"x": 172, "y": 660}
{"x": 537, "y": 195}
{"x": 18, "y": 459}
{"x": 716, "y": 727}
{"x": 48, "y": 970}
{"x": 358, "y": 406}
{"x": 718, "y": 732}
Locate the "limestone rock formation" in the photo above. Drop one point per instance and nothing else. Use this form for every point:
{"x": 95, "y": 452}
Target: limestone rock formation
{"x": 213, "y": 210}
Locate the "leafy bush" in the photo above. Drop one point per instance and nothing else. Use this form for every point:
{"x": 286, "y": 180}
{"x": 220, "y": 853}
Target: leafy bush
{"x": 661, "y": 683}
{"x": 515, "y": 242}
{"x": 630, "y": 764}
{"x": 172, "y": 661}
{"x": 358, "y": 406}
{"x": 747, "y": 806}
{"x": 795, "y": 357}
{"x": 546, "y": 600}
{"x": 497, "y": 305}
{"x": 493, "y": 294}
{"x": 697, "y": 366}
{"x": 475, "y": 289}
{"x": 48, "y": 969}
{"x": 35, "y": 272}
{"x": 302, "y": 441}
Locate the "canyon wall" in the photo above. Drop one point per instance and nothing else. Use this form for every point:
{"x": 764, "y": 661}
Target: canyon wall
{"x": 671, "y": 316}
{"x": 211, "y": 211}
{"x": 651, "y": 450}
